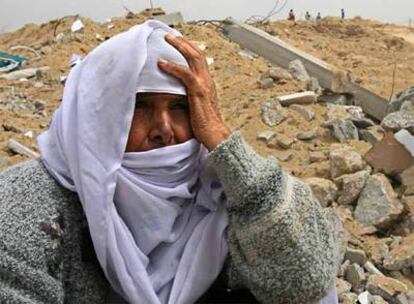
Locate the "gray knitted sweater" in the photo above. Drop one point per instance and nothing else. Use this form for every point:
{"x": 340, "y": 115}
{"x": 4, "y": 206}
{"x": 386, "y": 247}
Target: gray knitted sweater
{"x": 282, "y": 246}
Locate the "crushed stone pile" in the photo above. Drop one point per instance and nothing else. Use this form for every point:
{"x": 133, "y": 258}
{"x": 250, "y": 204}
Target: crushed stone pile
{"x": 318, "y": 136}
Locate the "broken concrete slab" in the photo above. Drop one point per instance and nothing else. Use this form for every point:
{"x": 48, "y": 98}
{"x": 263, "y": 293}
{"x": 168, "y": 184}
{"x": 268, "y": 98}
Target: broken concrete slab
{"x": 282, "y": 53}
{"x": 357, "y": 256}
{"x": 309, "y": 135}
{"x": 378, "y": 204}
{"x": 345, "y": 160}
{"x": 385, "y": 287}
{"x": 355, "y": 275}
{"x": 307, "y": 97}
{"x": 306, "y": 113}
{"x": 18, "y": 148}
{"x": 298, "y": 70}
{"x": 401, "y": 256}
{"x": 373, "y": 135}
{"x": 172, "y": 19}
{"x": 351, "y": 186}
{"x": 399, "y": 120}
{"x": 272, "y": 113}
{"x": 323, "y": 189}
{"x": 266, "y": 136}
{"x": 389, "y": 156}
{"x": 342, "y": 130}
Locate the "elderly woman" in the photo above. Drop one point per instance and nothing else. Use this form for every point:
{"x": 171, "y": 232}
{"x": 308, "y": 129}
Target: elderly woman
{"x": 143, "y": 195}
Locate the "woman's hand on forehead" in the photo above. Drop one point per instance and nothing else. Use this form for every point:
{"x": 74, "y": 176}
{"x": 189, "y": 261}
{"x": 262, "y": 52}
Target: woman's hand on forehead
{"x": 206, "y": 121}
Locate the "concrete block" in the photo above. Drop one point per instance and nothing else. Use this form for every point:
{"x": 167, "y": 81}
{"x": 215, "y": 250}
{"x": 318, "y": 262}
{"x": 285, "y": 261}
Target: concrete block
{"x": 307, "y": 97}
{"x": 21, "y": 149}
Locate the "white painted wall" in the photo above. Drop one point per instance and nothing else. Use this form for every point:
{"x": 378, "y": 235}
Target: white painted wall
{"x": 15, "y": 13}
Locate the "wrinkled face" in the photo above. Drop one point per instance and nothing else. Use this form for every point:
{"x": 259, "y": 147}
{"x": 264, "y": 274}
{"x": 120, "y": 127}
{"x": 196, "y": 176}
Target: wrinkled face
{"x": 159, "y": 120}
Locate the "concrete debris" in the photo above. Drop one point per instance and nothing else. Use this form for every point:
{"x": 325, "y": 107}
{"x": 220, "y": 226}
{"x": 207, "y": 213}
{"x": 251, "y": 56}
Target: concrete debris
{"x": 407, "y": 178}
{"x": 357, "y": 256}
{"x": 373, "y": 135}
{"x": 284, "y": 142}
{"x": 77, "y": 26}
{"x": 349, "y": 298}
{"x": 324, "y": 190}
{"x": 26, "y": 73}
{"x": 278, "y": 75}
{"x": 344, "y": 266}
{"x": 284, "y": 155}
{"x": 385, "y": 287}
{"x": 378, "y": 204}
{"x": 172, "y": 19}
{"x": 406, "y": 139}
{"x": 342, "y": 287}
{"x": 266, "y": 136}
{"x": 313, "y": 85}
{"x": 29, "y": 134}
{"x": 408, "y": 106}
{"x": 344, "y": 112}
{"x": 401, "y": 256}
{"x": 306, "y": 97}
{"x": 306, "y": 113}
{"x": 18, "y": 148}
{"x": 272, "y": 113}
{"x": 372, "y": 269}
{"x": 316, "y": 157}
{"x": 364, "y": 298}
{"x": 355, "y": 275}
{"x": 378, "y": 300}
{"x": 399, "y": 120}
{"x": 265, "y": 83}
{"x": 309, "y": 135}
{"x": 298, "y": 70}
{"x": 350, "y": 186}
{"x": 398, "y": 100}
{"x": 345, "y": 160}
{"x": 337, "y": 99}
{"x": 363, "y": 123}
{"x": 389, "y": 156}
{"x": 342, "y": 130}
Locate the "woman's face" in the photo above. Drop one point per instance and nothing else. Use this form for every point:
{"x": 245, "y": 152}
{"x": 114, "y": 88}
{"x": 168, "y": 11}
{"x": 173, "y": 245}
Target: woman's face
{"x": 159, "y": 120}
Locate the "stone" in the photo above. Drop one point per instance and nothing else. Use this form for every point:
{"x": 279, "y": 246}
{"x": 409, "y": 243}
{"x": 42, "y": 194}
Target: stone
{"x": 24, "y": 74}
{"x": 378, "y": 300}
{"x": 378, "y": 204}
{"x": 284, "y": 141}
{"x": 385, "y": 287}
{"x": 316, "y": 157}
{"x": 11, "y": 128}
{"x": 344, "y": 112}
{"x": 343, "y": 130}
{"x": 272, "y": 113}
{"x": 349, "y": 298}
{"x": 345, "y": 160}
{"x": 372, "y": 269}
{"x": 39, "y": 105}
{"x": 266, "y": 136}
{"x": 324, "y": 190}
{"x": 313, "y": 85}
{"x": 399, "y": 120}
{"x": 357, "y": 256}
{"x": 406, "y": 139}
{"x": 401, "y": 256}
{"x": 284, "y": 155}
{"x": 364, "y": 298}
{"x": 265, "y": 83}
{"x": 278, "y": 75}
{"x": 343, "y": 267}
{"x": 399, "y": 99}
{"x": 363, "y": 123}
{"x": 355, "y": 275}
{"x": 342, "y": 287}
{"x": 298, "y": 70}
{"x": 309, "y": 135}
{"x": 307, "y": 97}
{"x": 373, "y": 134}
{"x": 337, "y": 99}
{"x": 306, "y": 113}
{"x": 351, "y": 186}
{"x": 389, "y": 156}
{"x": 408, "y": 106}
{"x": 407, "y": 178}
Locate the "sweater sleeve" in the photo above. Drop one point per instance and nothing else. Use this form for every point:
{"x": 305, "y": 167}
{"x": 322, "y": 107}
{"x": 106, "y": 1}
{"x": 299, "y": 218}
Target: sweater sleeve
{"x": 282, "y": 245}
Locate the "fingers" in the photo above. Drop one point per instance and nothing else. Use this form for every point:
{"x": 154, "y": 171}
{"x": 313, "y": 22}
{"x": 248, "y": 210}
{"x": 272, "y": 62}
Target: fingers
{"x": 179, "y": 71}
{"x": 194, "y": 56}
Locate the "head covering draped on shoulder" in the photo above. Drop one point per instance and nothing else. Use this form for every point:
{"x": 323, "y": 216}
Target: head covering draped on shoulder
{"x": 156, "y": 222}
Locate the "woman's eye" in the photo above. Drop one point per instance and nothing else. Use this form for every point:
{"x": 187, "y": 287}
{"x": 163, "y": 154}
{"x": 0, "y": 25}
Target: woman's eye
{"x": 180, "y": 106}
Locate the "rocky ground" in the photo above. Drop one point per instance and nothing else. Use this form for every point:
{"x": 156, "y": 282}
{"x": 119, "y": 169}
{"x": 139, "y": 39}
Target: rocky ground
{"x": 321, "y": 137}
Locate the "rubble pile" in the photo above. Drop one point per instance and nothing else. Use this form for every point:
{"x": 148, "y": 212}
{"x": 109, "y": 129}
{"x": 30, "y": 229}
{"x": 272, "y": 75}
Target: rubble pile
{"x": 360, "y": 168}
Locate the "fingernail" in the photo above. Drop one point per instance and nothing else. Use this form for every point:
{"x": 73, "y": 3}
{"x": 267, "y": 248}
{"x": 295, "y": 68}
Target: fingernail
{"x": 162, "y": 61}
{"x": 169, "y": 36}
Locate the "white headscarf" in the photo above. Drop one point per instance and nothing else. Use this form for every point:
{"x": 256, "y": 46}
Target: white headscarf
{"x": 157, "y": 218}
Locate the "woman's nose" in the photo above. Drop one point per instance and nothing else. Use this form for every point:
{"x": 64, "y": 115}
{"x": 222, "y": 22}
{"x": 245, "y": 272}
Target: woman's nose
{"x": 161, "y": 131}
